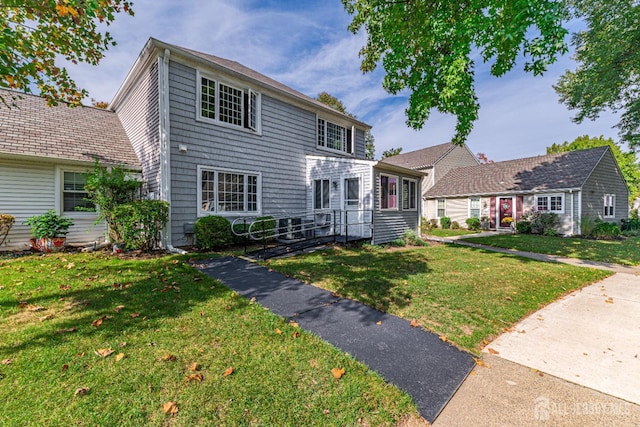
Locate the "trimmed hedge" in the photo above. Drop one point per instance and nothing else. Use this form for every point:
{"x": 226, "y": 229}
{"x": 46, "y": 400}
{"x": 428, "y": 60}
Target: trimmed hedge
{"x": 213, "y": 232}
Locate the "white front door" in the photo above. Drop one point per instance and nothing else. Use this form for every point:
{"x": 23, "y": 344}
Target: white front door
{"x": 353, "y": 214}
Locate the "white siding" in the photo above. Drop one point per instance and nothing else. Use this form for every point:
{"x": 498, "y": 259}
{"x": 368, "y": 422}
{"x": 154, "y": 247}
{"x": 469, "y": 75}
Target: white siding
{"x": 28, "y": 189}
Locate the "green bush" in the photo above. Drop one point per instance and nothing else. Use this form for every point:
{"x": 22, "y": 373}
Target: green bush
{"x": 445, "y": 222}
{"x": 139, "y": 223}
{"x": 213, "y": 232}
{"x": 455, "y": 225}
{"x": 523, "y": 227}
{"x": 412, "y": 238}
{"x": 538, "y": 222}
{"x": 606, "y": 231}
{"x": 264, "y": 227}
{"x": 426, "y": 225}
{"x": 399, "y": 242}
{"x": 633, "y": 214}
{"x": 49, "y": 225}
{"x": 473, "y": 223}
{"x": 6, "y": 222}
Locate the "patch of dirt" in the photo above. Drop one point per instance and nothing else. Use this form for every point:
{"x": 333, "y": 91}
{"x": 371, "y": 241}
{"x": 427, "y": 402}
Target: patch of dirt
{"x": 412, "y": 421}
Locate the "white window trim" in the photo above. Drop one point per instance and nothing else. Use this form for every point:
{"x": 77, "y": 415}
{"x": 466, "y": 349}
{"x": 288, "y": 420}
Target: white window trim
{"x": 445, "y": 208}
{"x": 398, "y": 182}
{"x": 201, "y": 213}
{"x": 479, "y": 207}
{"x": 346, "y": 127}
{"x": 200, "y": 118}
{"x": 605, "y": 205}
{"x": 548, "y": 197}
{"x": 313, "y": 192}
{"x": 59, "y": 190}
{"x": 415, "y": 198}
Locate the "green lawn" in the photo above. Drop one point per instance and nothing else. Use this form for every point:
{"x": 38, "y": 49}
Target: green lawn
{"x": 464, "y": 294}
{"x": 625, "y": 252}
{"x": 447, "y": 232}
{"x": 160, "y": 317}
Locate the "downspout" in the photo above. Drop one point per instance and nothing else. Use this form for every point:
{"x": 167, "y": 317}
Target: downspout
{"x": 572, "y": 217}
{"x": 165, "y": 146}
{"x": 580, "y": 211}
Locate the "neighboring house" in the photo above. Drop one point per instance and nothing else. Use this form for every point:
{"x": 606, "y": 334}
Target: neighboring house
{"x": 435, "y": 162}
{"x": 217, "y": 138}
{"x": 44, "y": 154}
{"x": 574, "y": 184}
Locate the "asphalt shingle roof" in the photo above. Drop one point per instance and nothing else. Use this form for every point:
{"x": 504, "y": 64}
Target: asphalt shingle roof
{"x": 550, "y": 172}
{"x": 420, "y": 159}
{"x": 81, "y": 133}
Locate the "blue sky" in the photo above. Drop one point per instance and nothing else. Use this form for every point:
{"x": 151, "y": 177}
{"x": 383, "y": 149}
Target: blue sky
{"x": 306, "y": 45}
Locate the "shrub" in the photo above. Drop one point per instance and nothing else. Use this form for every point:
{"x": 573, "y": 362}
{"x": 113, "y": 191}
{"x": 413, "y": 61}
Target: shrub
{"x": 213, "y": 232}
{"x": 538, "y": 222}
{"x": 434, "y": 223}
{"x": 445, "y": 222}
{"x": 606, "y": 231}
{"x": 425, "y": 226}
{"x": 633, "y": 214}
{"x": 6, "y": 222}
{"x": 264, "y": 227}
{"x": 473, "y": 224}
{"x": 108, "y": 188}
{"x": 631, "y": 224}
{"x": 455, "y": 225}
{"x": 139, "y": 223}
{"x": 587, "y": 225}
{"x": 523, "y": 227}
{"x": 49, "y": 225}
{"x": 412, "y": 238}
{"x": 399, "y": 242}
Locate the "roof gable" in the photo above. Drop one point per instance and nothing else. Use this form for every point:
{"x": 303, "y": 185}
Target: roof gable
{"x": 421, "y": 159}
{"x": 31, "y": 128}
{"x": 551, "y": 172}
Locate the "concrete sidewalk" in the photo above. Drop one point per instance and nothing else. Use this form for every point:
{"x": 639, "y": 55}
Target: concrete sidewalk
{"x": 413, "y": 359}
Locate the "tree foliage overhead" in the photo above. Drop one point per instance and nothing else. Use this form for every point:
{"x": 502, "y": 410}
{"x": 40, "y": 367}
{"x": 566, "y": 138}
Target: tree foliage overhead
{"x": 427, "y": 48}
{"x": 627, "y": 160}
{"x": 608, "y": 69}
{"x": 391, "y": 152}
{"x": 36, "y": 34}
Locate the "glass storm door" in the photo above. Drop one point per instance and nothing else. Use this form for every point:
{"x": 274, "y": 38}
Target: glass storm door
{"x": 352, "y": 208}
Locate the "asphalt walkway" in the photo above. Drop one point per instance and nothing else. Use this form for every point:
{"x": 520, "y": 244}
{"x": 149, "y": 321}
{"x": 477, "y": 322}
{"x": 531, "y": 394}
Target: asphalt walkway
{"x": 413, "y": 359}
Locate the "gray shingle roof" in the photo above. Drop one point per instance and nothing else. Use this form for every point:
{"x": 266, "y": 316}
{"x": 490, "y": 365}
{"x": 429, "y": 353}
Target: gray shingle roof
{"x": 420, "y": 159}
{"x": 61, "y": 132}
{"x": 550, "y": 172}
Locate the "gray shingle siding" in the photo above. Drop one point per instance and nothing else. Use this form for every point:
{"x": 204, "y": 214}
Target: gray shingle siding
{"x": 606, "y": 178}
{"x": 139, "y": 115}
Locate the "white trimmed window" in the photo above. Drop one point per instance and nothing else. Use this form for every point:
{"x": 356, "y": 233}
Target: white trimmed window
{"x": 474, "y": 207}
{"x": 226, "y": 104}
{"x": 321, "y": 193}
{"x": 609, "y": 205}
{"x": 550, "y": 203}
{"x": 441, "y": 210}
{"x": 74, "y": 194}
{"x": 388, "y": 192}
{"x": 228, "y": 192}
{"x": 409, "y": 194}
{"x": 335, "y": 137}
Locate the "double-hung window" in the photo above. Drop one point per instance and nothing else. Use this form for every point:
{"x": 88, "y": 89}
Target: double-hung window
{"x": 550, "y": 203}
{"x": 441, "y": 208}
{"x": 228, "y": 192}
{"x": 409, "y": 194}
{"x": 224, "y": 103}
{"x": 335, "y": 137}
{"x": 474, "y": 207}
{"x": 73, "y": 193}
{"x": 321, "y": 194}
{"x": 388, "y": 192}
{"x": 609, "y": 205}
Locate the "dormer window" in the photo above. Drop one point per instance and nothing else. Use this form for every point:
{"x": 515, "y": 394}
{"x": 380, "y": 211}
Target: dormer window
{"x": 223, "y": 103}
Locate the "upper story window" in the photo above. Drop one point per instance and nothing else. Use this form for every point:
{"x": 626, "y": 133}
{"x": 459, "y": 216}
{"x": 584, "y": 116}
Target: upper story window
{"x": 335, "y": 137}
{"x": 550, "y": 203}
{"x": 223, "y": 103}
{"x": 609, "y": 205}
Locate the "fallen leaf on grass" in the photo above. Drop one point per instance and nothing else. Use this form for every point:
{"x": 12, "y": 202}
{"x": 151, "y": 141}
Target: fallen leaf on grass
{"x": 278, "y": 331}
{"x": 227, "y": 372}
{"x": 118, "y": 308}
{"x": 194, "y": 366}
{"x": 295, "y": 334}
{"x": 492, "y": 351}
{"x": 104, "y": 352}
{"x": 98, "y": 321}
{"x": 119, "y": 357}
{"x": 338, "y": 373}
{"x": 294, "y": 324}
{"x": 252, "y": 300}
{"x": 34, "y": 308}
{"x": 64, "y": 287}
{"x": 69, "y": 266}
{"x": 134, "y": 315}
{"x": 169, "y": 358}
{"x": 170, "y": 408}
{"x": 65, "y": 367}
{"x": 81, "y": 391}
{"x": 6, "y": 361}
{"x": 194, "y": 377}
{"x": 443, "y": 338}
{"x": 414, "y": 323}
